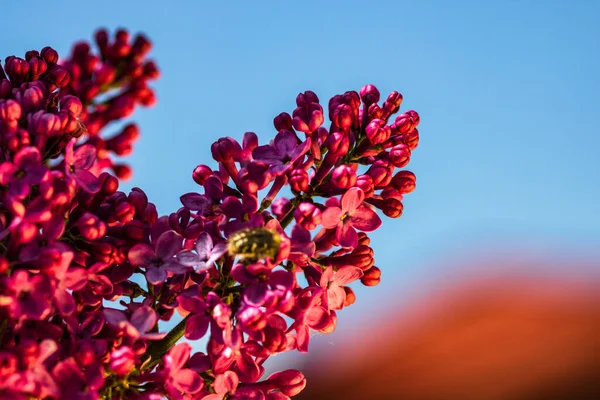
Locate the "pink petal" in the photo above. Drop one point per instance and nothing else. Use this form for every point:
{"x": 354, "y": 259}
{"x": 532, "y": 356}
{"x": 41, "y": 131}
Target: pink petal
{"x": 27, "y": 155}
{"x": 346, "y": 235}
{"x": 347, "y": 274}
{"x": 141, "y": 255}
{"x": 188, "y": 258}
{"x": 188, "y": 381}
{"x": 180, "y": 354}
{"x": 317, "y": 318}
{"x": 69, "y": 159}
{"x": 114, "y": 317}
{"x": 326, "y": 277}
{"x": 191, "y": 304}
{"x": 144, "y": 319}
{"x": 248, "y": 370}
{"x": 156, "y": 275}
{"x": 168, "y": 244}
{"x": 226, "y": 383}
{"x": 88, "y": 181}
{"x": 302, "y": 338}
{"x": 301, "y": 149}
{"x": 285, "y": 142}
{"x": 204, "y": 245}
{"x": 64, "y": 302}
{"x": 332, "y": 217}
{"x": 336, "y": 297}
{"x": 194, "y": 201}
{"x": 266, "y": 153}
{"x": 84, "y": 157}
{"x": 175, "y": 267}
{"x": 352, "y": 199}
{"x": 196, "y": 327}
{"x": 365, "y": 219}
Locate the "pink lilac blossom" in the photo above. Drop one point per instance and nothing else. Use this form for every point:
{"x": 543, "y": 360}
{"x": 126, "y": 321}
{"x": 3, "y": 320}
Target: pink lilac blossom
{"x": 89, "y": 275}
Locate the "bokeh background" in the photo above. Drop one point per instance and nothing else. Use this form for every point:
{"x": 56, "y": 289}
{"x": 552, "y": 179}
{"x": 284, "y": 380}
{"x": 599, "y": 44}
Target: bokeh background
{"x": 508, "y": 164}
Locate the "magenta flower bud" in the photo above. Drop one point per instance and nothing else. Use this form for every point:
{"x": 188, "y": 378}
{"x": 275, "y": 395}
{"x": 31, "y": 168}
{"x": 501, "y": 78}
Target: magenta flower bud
{"x": 17, "y": 69}
{"x": 411, "y": 139}
{"x": 307, "y": 119}
{"x": 15, "y": 141}
{"x": 91, "y": 227}
{"x": 101, "y": 39}
{"x": 406, "y": 122}
{"x": 138, "y": 199}
{"x": 201, "y": 173}
{"x": 377, "y": 131}
{"x": 108, "y": 184}
{"x": 105, "y": 74}
{"x": 342, "y": 117}
{"x": 225, "y": 149}
{"x": 134, "y": 231}
{"x": 350, "y": 296}
{"x": 381, "y": 172}
{"x": 72, "y": 104}
{"x": 375, "y": 112}
{"x": 306, "y": 98}
{"x": 283, "y": 121}
{"x": 59, "y": 76}
{"x": 369, "y": 94}
{"x": 122, "y": 107}
{"x": 5, "y": 88}
{"x": 122, "y": 360}
{"x": 31, "y": 54}
{"x": 49, "y": 55}
{"x": 308, "y": 216}
{"x": 10, "y": 112}
{"x": 392, "y": 207}
{"x": 392, "y": 104}
{"x": 280, "y": 207}
{"x": 404, "y": 182}
{"x": 151, "y": 71}
{"x": 33, "y": 98}
{"x": 361, "y": 257}
{"x": 37, "y": 67}
{"x": 343, "y": 177}
{"x": 299, "y": 180}
{"x": 338, "y": 143}
{"x": 290, "y": 382}
{"x": 141, "y": 47}
{"x": 371, "y": 277}
{"x": 45, "y": 123}
{"x": 365, "y": 182}
{"x": 400, "y": 155}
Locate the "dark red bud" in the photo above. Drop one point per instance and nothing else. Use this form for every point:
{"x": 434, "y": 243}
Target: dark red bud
{"x": 371, "y": 277}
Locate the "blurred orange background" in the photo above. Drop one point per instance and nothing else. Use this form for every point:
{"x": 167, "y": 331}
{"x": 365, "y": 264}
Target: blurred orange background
{"x": 507, "y": 329}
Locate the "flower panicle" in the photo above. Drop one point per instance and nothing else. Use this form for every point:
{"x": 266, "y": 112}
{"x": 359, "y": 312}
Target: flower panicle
{"x": 89, "y": 274}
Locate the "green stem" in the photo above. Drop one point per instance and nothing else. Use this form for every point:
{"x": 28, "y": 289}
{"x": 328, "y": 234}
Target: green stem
{"x": 159, "y": 348}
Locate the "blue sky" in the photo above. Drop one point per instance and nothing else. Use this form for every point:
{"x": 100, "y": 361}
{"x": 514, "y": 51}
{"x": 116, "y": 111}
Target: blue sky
{"x": 507, "y": 92}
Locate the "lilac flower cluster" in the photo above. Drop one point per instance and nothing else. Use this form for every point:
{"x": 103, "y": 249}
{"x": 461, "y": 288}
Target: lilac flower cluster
{"x": 88, "y": 274}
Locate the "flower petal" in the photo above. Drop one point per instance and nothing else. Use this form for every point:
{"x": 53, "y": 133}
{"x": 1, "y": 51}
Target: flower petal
{"x": 144, "y": 319}
{"x": 336, "y": 297}
{"x": 347, "y": 274}
{"x": 88, "y": 181}
{"x": 352, "y": 199}
{"x": 346, "y": 235}
{"x": 196, "y": 326}
{"x": 168, "y": 244}
{"x": 332, "y": 217}
{"x": 156, "y": 275}
{"x": 204, "y": 245}
{"x": 141, "y": 255}
{"x": 365, "y": 219}
{"x": 84, "y": 157}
